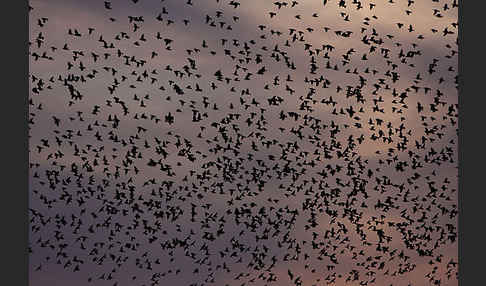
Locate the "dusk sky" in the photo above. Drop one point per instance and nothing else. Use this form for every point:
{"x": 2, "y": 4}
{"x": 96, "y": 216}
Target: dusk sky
{"x": 223, "y": 142}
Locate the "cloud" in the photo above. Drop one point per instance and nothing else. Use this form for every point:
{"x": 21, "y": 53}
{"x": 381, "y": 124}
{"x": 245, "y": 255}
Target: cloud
{"x": 83, "y": 14}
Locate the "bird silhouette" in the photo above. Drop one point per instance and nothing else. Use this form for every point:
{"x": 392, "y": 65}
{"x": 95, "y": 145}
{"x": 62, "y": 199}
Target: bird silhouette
{"x": 243, "y": 142}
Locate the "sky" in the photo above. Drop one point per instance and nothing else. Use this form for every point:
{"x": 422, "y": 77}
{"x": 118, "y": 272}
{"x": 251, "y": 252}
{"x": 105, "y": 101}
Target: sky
{"x": 215, "y": 161}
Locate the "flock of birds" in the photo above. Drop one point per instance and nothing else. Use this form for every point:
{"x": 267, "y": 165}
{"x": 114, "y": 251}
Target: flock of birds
{"x": 237, "y": 142}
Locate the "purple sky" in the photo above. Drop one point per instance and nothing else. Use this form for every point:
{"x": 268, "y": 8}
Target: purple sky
{"x": 225, "y": 146}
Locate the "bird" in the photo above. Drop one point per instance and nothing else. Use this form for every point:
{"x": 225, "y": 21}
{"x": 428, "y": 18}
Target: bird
{"x": 242, "y": 142}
